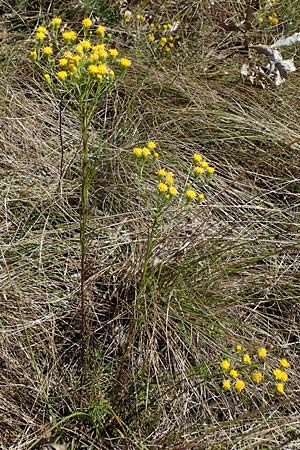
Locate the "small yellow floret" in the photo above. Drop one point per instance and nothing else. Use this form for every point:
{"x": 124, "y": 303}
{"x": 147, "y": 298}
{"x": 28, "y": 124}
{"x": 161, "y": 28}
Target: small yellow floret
{"x": 190, "y": 194}
{"x": 72, "y": 68}
{"x": 204, "y": 164}
{"x": 111, "y": 74}
{"x": 40, "y": 36}
{"x": 69, "y": 35}
{"x": 62, "y": 75}
{"x": 33, "y": 55}
{"x": 226, "y": 385}
{"x": 146, "y": 152}
{"x": 246, "y": 359}
{"x": 125, "y": 62}
{"x": 257, "y": 377}
{"x": 87, "y": 23}
{"x": 151, "y": 145}
{"x": 41, "y": 29}
{"x": 47, "y": 77}
{"x": 63, "y": 62}
{"x": 173, "y": 191}
{"x": 200, "y": 198}
{"x": 169, "y": 178}
{"x": 234, "y": 373}
{"x": 102, "y": 69}
{"x": 210, "y": 170}
{"x": 99, "y": 77}
{"x": 197, "y": 158}
{"x": 152, "y": 26}
{"x": 198, "y": 171}
{"x": 150, "y": 37}
{"x": 239, "y": 385}
{"x": 137, "y": 151}
{"x": 162, "y": 187}
{"x": 225, "y": 364}
{"x": 161, "y": 173}
{"x": 284, "y": 363}
{"x": 171, "y": 45}
{"x": 262, "y": 352}
{"x": 56, "y": 21}
{"x": 260, "y": 19}
{"x": 113, "y": 52}
{"x": 92, "y": 69}
{"x": 101, "y": 30}
{"x": 47, "y": 51}
{"x": 280, "y": 388}
{"x": 238, "y": 348}
{"x": 155, "y": 155}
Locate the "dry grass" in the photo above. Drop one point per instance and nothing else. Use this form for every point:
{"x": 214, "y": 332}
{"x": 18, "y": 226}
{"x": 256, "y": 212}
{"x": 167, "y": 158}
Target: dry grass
{"x": 226, "y": 273}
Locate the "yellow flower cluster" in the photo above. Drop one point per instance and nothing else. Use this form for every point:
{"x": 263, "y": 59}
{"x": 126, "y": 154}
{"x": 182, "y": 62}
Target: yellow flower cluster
{"x": 147, "y": 151}
{"x": 272, "y": 18}
{"x": 74, "y": 58}
{"x": 161, "y": 35}
{"x": 201, "y": 167}
{"x": 166, "y": 183}
{"x": 253, "y": 370}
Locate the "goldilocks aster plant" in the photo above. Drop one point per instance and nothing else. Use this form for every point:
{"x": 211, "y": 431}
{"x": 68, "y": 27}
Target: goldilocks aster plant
{"x": 79, "y": 67}
{"x": 167, "y": 189}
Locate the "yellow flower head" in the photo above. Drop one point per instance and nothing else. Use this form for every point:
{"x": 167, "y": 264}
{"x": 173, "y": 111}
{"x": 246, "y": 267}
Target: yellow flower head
{"x": 87, "y": 23}
{"x": 113, "y": 52}
{"x": 101, "y": 30}
{"x": 111, "y": 74}
{"x": 47, "y": 77}
{"x": 169, "y": 178}
{"x": 150, "y": 37}
{"x": 197, "y": 158}
{"x": 152, "y": 26}
{"x": 260, "y": 19}
{"x": 234, "y": 373}
{"x": 62, "y": 75}
{"x": 280, "y": 375}
{"x": 151, "y": 145}
{"x": 171, "y": 45}
{"x": 33, "y": 55}
{"x": 246, "y": 359}
{"x": 239, "y": 385}
{"x": 200, "y": 198}
{"x": 161, "y": 173}
{"x": 155, "y": 155}
{"x": 102, "y": 69}
{"x": 226, "y": 385}
{"x": 146, "y": 152}
{"x": 198, "y": 171}
{"x": 99, "y": 77}
{"x": 125, "y": 62}
{"x": 210, "y": 170}
{"x": 69, "y": 36}
{"x": 173, "y": 191}
{"x": 238, "y": 348}
{"x": 162, "y": 187}
{"x": 41, "y": 29}
{"x": 280, "y": 388}
{"x": 56, "y": 22}
{"x": 171, "y": 38}
{"x": 137, "y": 151}
{"x": 85, "y": 44}
{"x": 262, "y": 352}
{"x": 257, "y": 376}
{"x": 204, "y": 164}
{"x": 92, "y": 69}
{"x": 225, "y": 364}
{"x": 47, "y": 51}
{"x": 39, "y": 36}
{"x": 63, "y": 62}
{"x": 284, "y": 363}
{"x": 190, "y": 194}
{"x": 72, "y": 68}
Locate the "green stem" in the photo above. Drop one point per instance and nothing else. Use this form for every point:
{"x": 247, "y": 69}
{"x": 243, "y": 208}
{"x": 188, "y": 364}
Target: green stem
{"x": 83, "y": 241}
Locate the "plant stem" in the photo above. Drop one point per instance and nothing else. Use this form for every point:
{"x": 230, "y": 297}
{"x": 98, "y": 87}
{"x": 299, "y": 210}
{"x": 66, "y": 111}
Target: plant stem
{"x": 83, "y": 241}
